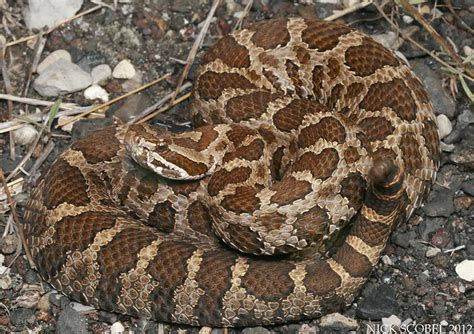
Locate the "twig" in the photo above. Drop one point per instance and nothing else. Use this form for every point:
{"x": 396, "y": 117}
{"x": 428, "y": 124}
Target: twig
{"x": 25, "y": 39}
{"x": 19, "y": 227}
{"x": 8, "y": 89}
{"x": 39, "y": 46}
{"x": 341, "y": 13}
{"x": 143, "y": 115}
{"x": 101, "y": 106}
{"x": 463, "y": 25}
{"x": 26, "y": 100}
{"x": 6, "y": 77}
{"x": 195, "y": 47}
{"x": 239, "y": 22}
{"x": 437, "y": 37}
{"x": 27, "y": 156}
{"x": 418, "y": 45}
{"x": 46, "y": 152}
{"x": 159, "y": 111}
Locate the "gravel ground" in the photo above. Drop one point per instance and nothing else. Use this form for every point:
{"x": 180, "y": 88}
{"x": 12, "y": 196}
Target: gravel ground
{"x": 416, "y": 281}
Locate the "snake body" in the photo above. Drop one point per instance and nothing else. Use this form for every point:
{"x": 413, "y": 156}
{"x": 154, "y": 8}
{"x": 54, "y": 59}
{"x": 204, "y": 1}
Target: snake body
{"x": 315, "y": 141}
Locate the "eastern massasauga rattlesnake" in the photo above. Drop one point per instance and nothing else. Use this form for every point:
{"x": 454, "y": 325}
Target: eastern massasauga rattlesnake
{"x": 312, "y": 129}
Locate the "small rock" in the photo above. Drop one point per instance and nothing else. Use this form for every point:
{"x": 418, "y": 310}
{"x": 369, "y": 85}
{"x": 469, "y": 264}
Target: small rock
{"x": 44, "y": 303}
{"x": 52, "y": 58}
{"x": 81, "y": 308}
{"x": 463, "y": 203}
{"x": 441, "y": 205}
{"x": 440, "y": 98}
{"x": 70, "y": 321}
{"x": 432, "y": 252}
{"x": 380, "y": 302}
{"x": 441, "y": 238}
{"x": 387, "y": 260}
{"x": 465, "y": 118}
{"x": 444, "y": 126}
{"x": 117, "y": 328}
{"x": 205, "y": 330}
{"x": 124, "y": 70}
{"x": 465, "y": 270}
{"x": 447, "y": 147}
{"x": 40, "y": 13}
{"x": 307, "y": 329}
{"x": 390, "y": 40}
{"x": 25, "y": 135}
{"x": 100, "y": 74}
{"x": 5, "y": 278}
{"x": 468, "y": 187}
{"x": 392, "y": 321}
{"x": 9, "y": 244}
{"x": 95, "y": 92}
{"x": 403, "y": 239}
{"x": 338, "y": 322}
{"x": 20, "y": 317}
{"x": 255, "y": 330}
{"x": 407, "y": 19}
{"x": 463, "y": 155}
{"x": 62, "y": 77}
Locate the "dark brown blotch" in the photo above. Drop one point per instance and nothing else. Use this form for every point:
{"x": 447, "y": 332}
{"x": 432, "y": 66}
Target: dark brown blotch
{"x": 328, "y": 128}
{"x": 376, "y": 128}
{"x": 229, "y": 52}
{"x": 213, "y": 277}
{"x": 320, "y": 165}
{"x": 245, "y": 107}
{"x": 163, "y": 217}
{"x": 169, "y": 269}
{"x": 98, "y": 146}
{"x": 355, "y": 263}
{"x": 117, "y": 257}
{"x": 270, "y": 34}
{"x": 353, "y": 188}
{"x": 211, "y": 84}
{"x": 291, "y": 116}
{"x": 411, "y": 153}
{"x": 323, "y": 36}
{"x": 65, "y": 184}
{"x": 289, "y": 189}
{"x": 368, "y": 57}
{"x": 393, "y": 94}
{"x": 268, "y": 280}
{"x": 220, "y": 179}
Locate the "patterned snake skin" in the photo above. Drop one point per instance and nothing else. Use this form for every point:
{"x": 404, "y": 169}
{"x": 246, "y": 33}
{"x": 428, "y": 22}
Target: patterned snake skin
{"x": 316, "y": 142}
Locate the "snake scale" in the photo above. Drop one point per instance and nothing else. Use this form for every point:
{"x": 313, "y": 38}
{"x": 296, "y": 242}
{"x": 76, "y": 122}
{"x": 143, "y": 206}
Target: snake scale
{"x": 314, "y": 142}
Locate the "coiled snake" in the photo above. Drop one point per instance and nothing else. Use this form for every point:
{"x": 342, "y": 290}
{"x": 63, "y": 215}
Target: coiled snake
{"x": 317, "y": 141}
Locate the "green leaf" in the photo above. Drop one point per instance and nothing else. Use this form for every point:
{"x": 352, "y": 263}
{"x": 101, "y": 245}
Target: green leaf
{"x": 53, "y": 112}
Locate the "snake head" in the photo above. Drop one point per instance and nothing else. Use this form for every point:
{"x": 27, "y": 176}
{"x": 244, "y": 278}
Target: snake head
{"x": 161, "y": 152}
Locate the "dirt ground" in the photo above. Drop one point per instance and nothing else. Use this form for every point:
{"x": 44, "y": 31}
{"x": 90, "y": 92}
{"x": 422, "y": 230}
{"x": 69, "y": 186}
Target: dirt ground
{"x": 416, "y": 281}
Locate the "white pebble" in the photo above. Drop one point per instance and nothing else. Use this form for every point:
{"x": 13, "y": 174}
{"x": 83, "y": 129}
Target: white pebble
{"x": 407, "y": 19}
{"x": 392, "y": 321}
{"x": 117, "y": 328}
{"x": 465, "y": 270}
{"x": 334, "y": 319}
{"x": 444, "y": 126}
{"x": 432, "y": 252}
{"x": 468, "y": 51}
{"x": 52, "y": 58}
{"x": 25, "y": 135}
{"x": 124, "y": 70}
{"x": 95, "y": 92}
{"x": 101, "y": 73}
{"x": 387, "y": 260}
